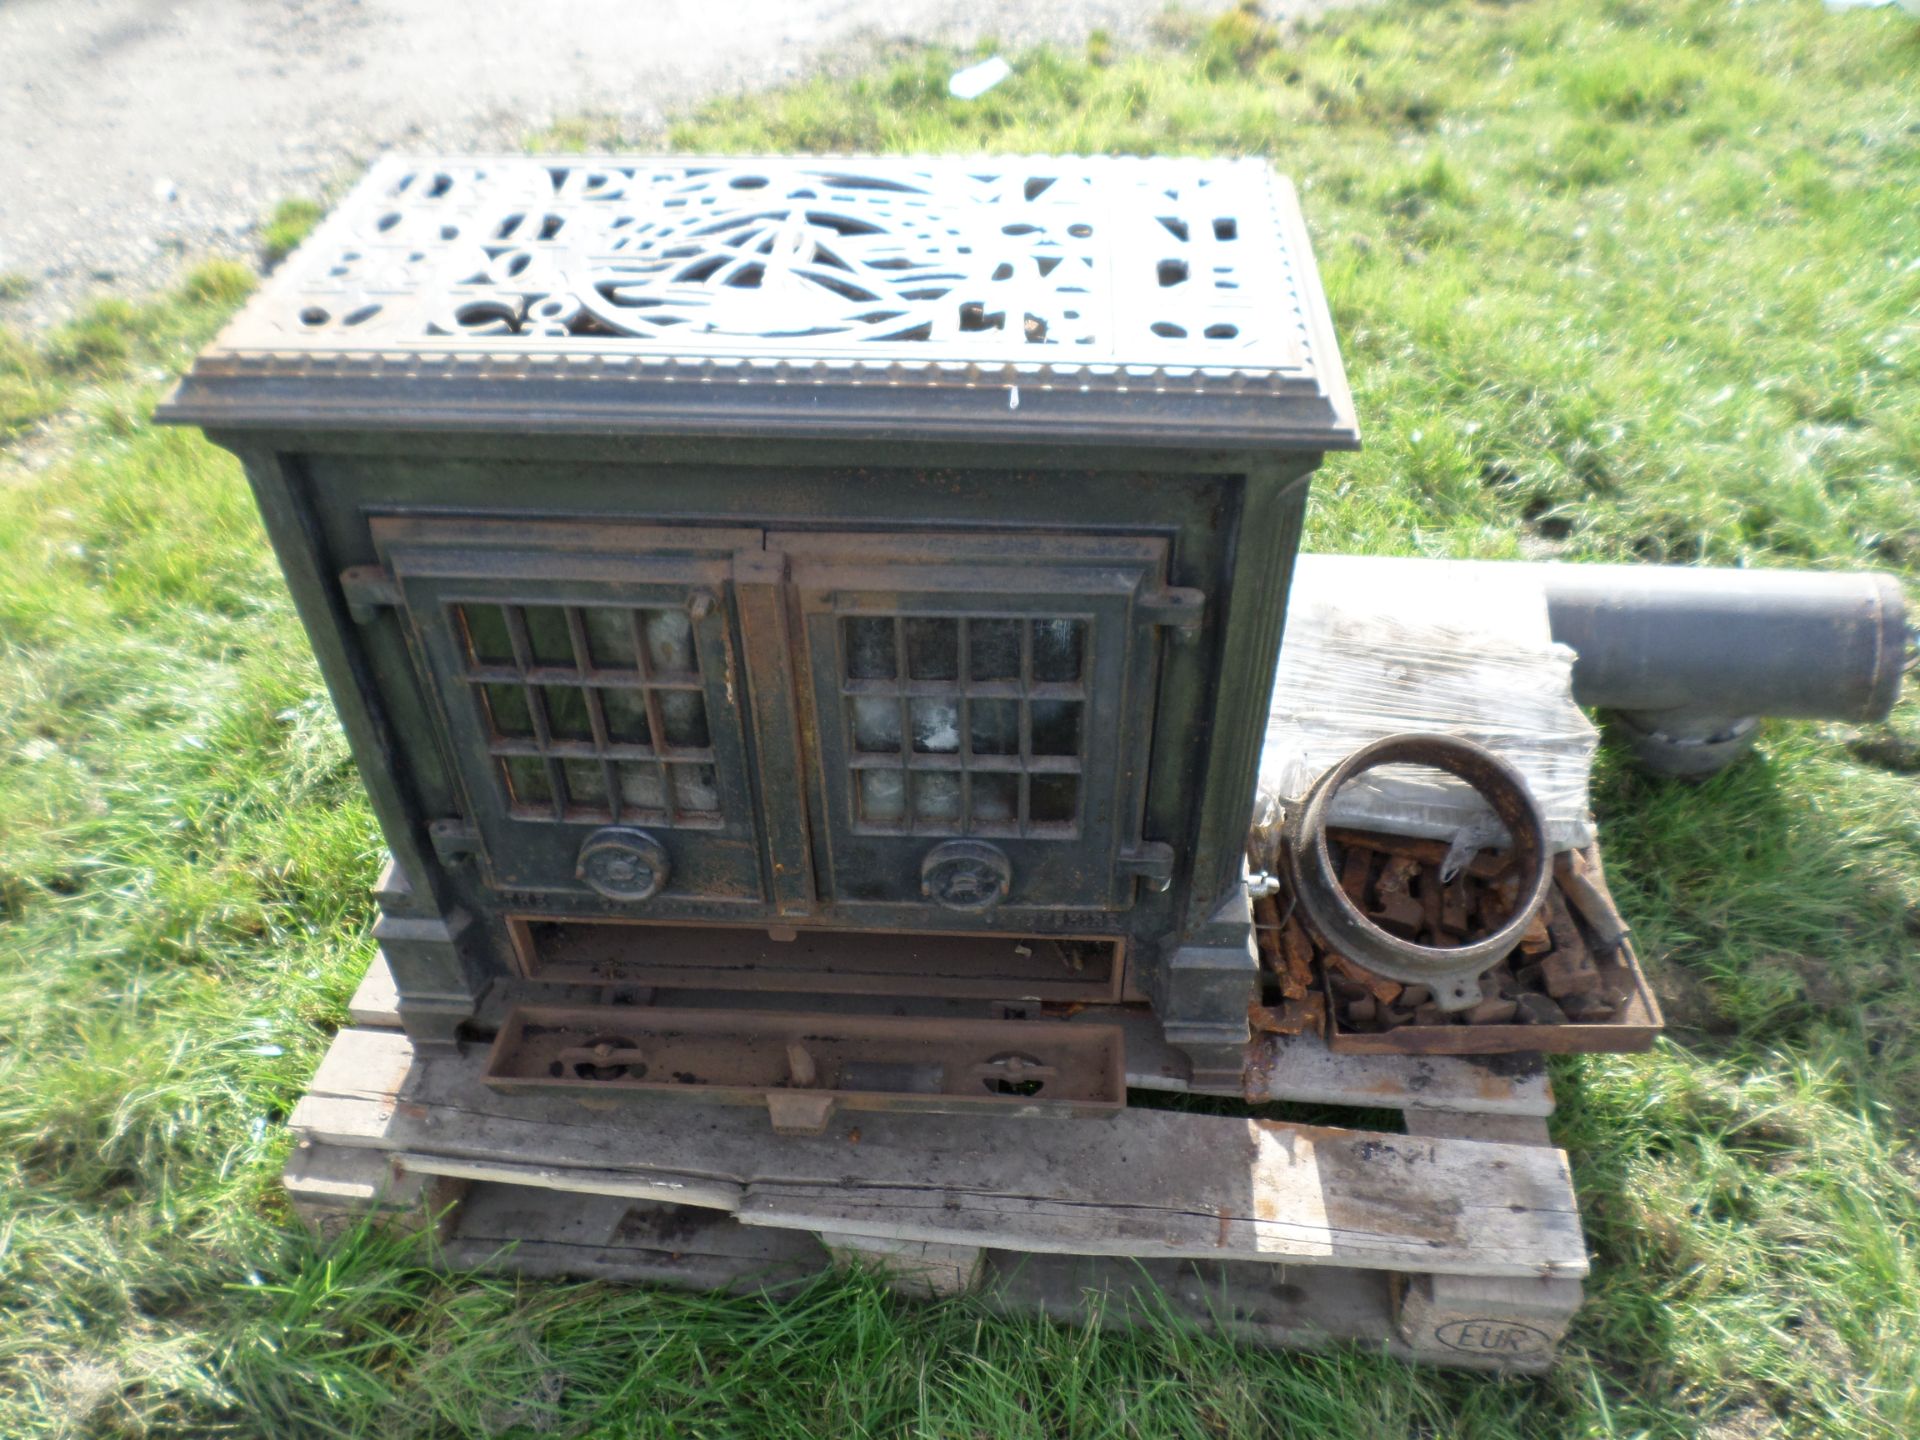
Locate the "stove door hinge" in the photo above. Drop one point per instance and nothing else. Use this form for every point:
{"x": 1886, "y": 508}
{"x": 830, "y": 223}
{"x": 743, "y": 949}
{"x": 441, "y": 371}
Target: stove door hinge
{"x": 1151, "y": 860}
{"x": 1179, "y": 608}
{"x": 454, "y": 840}
{"x": 369, "y": 590}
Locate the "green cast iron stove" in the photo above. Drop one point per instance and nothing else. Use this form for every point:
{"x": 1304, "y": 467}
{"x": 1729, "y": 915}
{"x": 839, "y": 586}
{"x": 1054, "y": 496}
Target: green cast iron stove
{"x": 845, "y": 584}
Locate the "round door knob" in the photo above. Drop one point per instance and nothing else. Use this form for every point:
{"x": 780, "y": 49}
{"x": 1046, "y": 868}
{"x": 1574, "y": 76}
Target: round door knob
{"x": 623, "y": 864}
{"x": 966, "y": 875}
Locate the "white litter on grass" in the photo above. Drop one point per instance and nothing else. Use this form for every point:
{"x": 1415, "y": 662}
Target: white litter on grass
{"x": 974, "y": 81}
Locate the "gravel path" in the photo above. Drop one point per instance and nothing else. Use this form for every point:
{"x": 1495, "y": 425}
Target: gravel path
{"x": 134, "y": 133}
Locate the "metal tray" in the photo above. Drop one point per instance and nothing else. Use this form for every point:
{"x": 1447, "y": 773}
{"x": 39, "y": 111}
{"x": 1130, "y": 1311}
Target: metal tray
{"x": 1631, "y": 1030}
{"x": 804, "y": 1067}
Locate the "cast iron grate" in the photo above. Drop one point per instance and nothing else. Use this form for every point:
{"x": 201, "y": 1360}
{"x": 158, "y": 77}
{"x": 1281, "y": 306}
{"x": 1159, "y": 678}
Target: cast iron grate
{"x": 1057, "y": 260}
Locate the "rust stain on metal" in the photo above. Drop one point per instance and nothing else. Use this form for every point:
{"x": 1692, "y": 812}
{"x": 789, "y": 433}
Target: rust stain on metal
{"x": 1384, "y": 908}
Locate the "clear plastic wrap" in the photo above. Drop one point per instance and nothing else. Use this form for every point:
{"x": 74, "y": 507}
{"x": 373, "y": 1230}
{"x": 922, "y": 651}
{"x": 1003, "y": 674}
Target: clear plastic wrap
{"x": 1447, "y": 647}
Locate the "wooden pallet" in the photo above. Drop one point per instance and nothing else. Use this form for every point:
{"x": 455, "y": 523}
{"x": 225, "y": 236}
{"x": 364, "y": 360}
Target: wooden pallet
{"x": 1457, "y": 1242}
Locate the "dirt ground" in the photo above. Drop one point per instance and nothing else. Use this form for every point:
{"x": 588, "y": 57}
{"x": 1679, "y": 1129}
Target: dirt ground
{"x": 134, "y": 133}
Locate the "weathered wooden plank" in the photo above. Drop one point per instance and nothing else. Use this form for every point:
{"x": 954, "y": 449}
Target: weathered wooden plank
{"x": 655, "y": 1187}
{"x": 924, "y": 1269}
{"x": 1352, "y": 1233}
{"x": 1496, "y": 1324}
{"x": 533, "y": 1232}
{"x": 333, "y": 1189}
{"x": 1147, "y": 1182}
{"x": 348, "y": 1179}
{"x": 1486, "y": 1322}
{"x": 1304, "y": 1196}
{"x": 1501, "y": 1129}
{"x": 376, "y": 1004}
{"x": 1301, "y": 1068}
{"x": 1490, "y": 1323}
{"x": 352, "y": 1097}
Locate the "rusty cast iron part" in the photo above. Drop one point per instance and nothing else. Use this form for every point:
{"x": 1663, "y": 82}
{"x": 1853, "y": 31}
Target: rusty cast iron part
{"x": 1451, "y": 972}
{"x": 1572, "y": 986}
{"x": 804, "y": 1067}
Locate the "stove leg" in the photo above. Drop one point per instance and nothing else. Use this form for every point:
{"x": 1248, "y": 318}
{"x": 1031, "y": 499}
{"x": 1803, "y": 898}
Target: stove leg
{"x": 435, "y": 975}
{"x": 1206, "y": 985}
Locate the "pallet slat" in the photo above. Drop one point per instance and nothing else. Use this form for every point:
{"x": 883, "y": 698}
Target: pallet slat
{"x": 376, "y": 1003}
{"x": 527, "y": 1232}
{"x": 1156, "y": 1182}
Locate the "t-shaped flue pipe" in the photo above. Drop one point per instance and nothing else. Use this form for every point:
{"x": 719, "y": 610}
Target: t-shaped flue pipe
{"x": 1689, "y": 658}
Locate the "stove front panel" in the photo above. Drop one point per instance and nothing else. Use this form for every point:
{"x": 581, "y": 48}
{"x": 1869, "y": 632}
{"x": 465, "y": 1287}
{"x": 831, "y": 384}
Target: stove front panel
{"x": 688, "y": 721}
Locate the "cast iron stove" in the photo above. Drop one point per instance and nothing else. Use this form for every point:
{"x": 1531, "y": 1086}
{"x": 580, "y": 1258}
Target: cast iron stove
{"x": 852, "y": 582}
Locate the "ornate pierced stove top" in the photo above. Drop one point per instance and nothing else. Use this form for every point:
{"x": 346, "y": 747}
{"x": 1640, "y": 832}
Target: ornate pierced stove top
{"x": 1152, "y": 299}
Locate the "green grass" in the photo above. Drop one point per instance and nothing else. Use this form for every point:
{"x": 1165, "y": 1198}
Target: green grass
{"x": 113, "y": 348}
{"x": 1613, "y": 281}
{"x": 291, "y": 222}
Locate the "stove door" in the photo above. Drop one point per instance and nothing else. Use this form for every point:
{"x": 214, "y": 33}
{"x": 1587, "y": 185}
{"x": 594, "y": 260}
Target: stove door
{"x": 982, "y": 708}
{"x": 584, "y": 677}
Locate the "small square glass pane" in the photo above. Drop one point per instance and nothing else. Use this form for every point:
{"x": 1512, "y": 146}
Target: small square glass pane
{"x": 640, "y": 787}
{"x": 869, "y": 642}
{"x": 567, "y": 715}
{"x": 609, "y": 637}
{"x": 1056, "y": 727}
{"x": 993, "y": 649}
{"x": 933, "y": 649}
{"x": 626, "y": 712}
{"x": 696, "y": 791}
{"x": 936, "y": 796}
{"x": 1053, "y": 799}
{"x": 1059, "y": 650}
{"x": 996, "y": 798}
{"x": 507, "y": 710}
{"x": 547, "y": 635}
{"x": 936, "y": 726}
{"x": 994, "y": 726}
{"x": 883, "y": 795}
{"x": 527, "y": 781}
{"x": 683, "y": 715}
{"x": 876, "y": 724}
{"x": 670, "y": 642}
{"x": 586, "y": 784}
{"x": 487, "y": 640}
